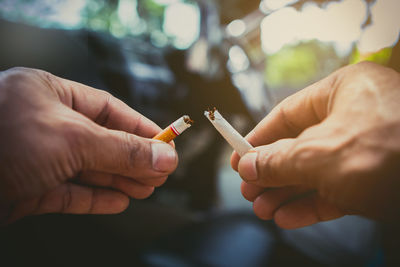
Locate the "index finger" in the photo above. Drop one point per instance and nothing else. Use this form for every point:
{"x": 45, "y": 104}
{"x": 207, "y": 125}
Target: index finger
{"x": 295, "y": 113}
{"x": 103, "y": 108}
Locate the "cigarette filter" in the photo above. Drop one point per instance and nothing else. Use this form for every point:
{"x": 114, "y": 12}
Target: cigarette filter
{"x": 237, "y": 142}
{"x": 175, "y": 129}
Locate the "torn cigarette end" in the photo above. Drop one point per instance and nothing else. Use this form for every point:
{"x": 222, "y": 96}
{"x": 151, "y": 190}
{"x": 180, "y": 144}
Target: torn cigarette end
{"x": 211, "y": 112}
{"x": 174, "y": 129}
{"x": 188, "y": 120}
{"x": 237, "y": 142}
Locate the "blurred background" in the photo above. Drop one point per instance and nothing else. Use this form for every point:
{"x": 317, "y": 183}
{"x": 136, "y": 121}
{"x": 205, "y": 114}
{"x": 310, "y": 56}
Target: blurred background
{"x": 166, "y": 58}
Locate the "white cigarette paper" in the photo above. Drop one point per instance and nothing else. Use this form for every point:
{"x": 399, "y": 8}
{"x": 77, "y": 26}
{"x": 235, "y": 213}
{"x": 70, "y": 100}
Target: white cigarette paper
{"x": 175, "y": 129}
{"x": 237, "y": 142}
{"x": 180, "y": 125}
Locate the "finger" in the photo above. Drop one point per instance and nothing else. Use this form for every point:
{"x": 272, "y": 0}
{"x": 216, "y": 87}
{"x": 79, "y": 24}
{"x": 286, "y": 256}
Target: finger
{"x": 78, "y": 199}
{"x": 235, "y": 160}
{"x": 110, "y": 180}
{"x": 306, "y": 211}
{"x": 74, "y": 199}
{"x": 155, "y": 181}
{"x": 267, "y": 166}
{"x": 101, "y": 107}
{"x": 295, "y": 113}
{"x": 301, "y": 160}
{"x": 250, "y": 191}
{"x": 269, "y": 201}
{"x": 126, "y": 185}
{"x": 128, "y": 155}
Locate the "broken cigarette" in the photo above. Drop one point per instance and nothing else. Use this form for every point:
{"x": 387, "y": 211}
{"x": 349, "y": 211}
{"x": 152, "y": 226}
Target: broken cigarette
{"x": 237, "y": 142}
{"x": 175, "y": 129}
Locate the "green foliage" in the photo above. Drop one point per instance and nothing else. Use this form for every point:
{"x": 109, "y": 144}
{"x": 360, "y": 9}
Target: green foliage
{"x": 298, "y": 65}
{"x": 381, "y": 57}
{"x": 152, "y": 8}
{"x": 100, "y": 14}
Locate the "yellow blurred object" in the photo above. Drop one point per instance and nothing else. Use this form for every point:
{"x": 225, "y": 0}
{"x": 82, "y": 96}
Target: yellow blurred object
{"x": 381, "y": 57}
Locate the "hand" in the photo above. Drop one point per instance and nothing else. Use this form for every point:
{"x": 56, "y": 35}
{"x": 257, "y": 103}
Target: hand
{"x": 329, "y": 150}
{"x": 69, "y": 148}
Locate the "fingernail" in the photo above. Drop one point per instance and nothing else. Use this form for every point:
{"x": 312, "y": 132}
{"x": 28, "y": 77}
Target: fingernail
{"x": 164, "y": 157}
{"x": 248, "y": 166}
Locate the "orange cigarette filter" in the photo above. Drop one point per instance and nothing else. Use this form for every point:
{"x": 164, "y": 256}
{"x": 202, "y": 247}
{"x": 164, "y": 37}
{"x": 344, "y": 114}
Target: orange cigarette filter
{"x": 174, "y": 129}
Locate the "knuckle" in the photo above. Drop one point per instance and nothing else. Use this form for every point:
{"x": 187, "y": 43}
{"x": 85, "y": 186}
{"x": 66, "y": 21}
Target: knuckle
{"x": 284, "y": 117}
{"x": 138, "y": 151}
{"x": 21, "y": 79}
{"x": 302, "y": 155}
{"x": 132, "y": 147}
{"x": 77, "y": 138}
{"x": 51, "y": 81}
{"x": 272, "y": 164}
{"x": 45, "y": 75}
{"x": 309, "y": 158}
{"x": 134, "y": 155}
{"x": 266, "y": 167}
{"x": 102, "y": 116}
{"x": 107, "y": 95}
{"x": 19, "y": 71}
{"x": 17, "y": 75}
{"x": 28, "y": 73}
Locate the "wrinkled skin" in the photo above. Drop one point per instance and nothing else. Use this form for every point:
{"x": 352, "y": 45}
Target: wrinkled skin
{"x": 69, "y": 148}
{"x": 329, "y": 150}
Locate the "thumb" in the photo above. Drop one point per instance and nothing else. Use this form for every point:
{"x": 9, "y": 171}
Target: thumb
{"x": 129, "y": 155}
{"x": 295, "y": 161}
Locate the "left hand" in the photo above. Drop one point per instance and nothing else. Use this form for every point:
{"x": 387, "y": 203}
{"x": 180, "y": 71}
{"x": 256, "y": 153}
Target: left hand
{"x": 69, "y": 148}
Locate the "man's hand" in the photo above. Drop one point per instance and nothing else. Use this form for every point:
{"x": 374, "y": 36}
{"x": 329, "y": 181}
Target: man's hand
{"x": 66, "y": 147}
{"x": 329, "y": 150}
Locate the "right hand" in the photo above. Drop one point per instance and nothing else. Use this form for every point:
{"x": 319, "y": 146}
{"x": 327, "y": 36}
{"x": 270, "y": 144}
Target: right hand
{"x": 329, "y": 150}
{"x": 69, "y": 148}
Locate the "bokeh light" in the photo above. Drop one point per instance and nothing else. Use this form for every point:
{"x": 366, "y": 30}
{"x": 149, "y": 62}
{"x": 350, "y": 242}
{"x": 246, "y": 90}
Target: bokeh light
{"x": 181, "y": 21}
{"x": 338, "y": 23}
